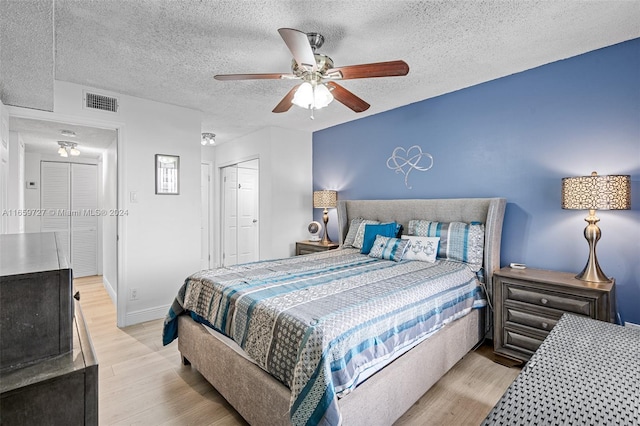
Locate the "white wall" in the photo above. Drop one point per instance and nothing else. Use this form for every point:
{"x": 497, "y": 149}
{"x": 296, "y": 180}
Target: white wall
{"x": 4, "y": 167}
{"x": 15, "y": 198}
{"x": 285, "y": 186}
{"x": 32, "y": 195}
{"x": 160, "y": 235}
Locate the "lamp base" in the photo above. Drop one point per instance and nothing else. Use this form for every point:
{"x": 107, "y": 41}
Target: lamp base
{"x": 593, "y": 275}
{"x": 592, "y": 271}
{"x": 325, "y": 218}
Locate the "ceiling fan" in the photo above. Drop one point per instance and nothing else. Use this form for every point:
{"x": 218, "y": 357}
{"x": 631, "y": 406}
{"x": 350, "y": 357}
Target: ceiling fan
{"x": 318, "y": 87}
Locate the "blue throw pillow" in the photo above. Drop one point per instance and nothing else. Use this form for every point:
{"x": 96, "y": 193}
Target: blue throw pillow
{"x": 389, "y": 248}
{"x": 462, "y": 242}
{"x": 371, "y": 231}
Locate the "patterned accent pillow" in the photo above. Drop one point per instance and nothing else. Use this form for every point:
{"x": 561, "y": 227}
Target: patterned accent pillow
{"x": 371, "y": 231}
{"x": 353, "y": 230}
{"x": 459, "y": 241}
{"x": 359, "y": 238}
{"x": 388, "y": 248}
{"x": 423, "y": 249}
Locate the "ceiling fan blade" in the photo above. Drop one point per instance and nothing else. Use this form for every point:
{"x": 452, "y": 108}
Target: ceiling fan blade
{"x": 298, "y": 44}
{"x": 285, "y": 103}
{"x": 347, "y": 98}
{"x": 378, "y": 69}
{"x": 253, "y": 76}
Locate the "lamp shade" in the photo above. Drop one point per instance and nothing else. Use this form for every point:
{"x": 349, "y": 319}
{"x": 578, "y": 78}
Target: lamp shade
{"x": 325, "y": 199}
{"x": 606, "y": 192}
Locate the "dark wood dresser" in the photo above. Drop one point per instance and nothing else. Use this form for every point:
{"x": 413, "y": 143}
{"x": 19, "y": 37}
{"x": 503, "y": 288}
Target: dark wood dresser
{"x": 48, "y": 369}
{"x": 529, "y": 302}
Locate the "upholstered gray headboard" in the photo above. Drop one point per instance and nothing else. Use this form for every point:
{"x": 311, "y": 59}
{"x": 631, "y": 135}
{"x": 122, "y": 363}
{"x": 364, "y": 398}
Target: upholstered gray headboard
{"x": 489, "y": 211}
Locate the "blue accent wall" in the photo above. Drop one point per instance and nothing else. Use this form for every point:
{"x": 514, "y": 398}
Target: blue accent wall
{"x": 514, "y": 137}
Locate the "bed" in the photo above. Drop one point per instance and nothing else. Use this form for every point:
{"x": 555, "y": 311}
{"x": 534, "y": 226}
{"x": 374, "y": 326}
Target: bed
{"x": 323, "y": 357}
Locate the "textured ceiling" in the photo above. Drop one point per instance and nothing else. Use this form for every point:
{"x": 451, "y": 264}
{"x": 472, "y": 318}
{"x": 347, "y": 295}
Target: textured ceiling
{"x": 169, "y": 51}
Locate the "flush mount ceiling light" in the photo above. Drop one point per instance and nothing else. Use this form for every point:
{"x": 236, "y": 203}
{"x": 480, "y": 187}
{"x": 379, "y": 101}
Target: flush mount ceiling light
{"x": 208, "y": 139}
{"x": 67, "y": 148}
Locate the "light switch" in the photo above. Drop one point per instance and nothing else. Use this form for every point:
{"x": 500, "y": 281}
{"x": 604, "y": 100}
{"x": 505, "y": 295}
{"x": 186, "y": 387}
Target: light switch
{"x": 133, "y": 196}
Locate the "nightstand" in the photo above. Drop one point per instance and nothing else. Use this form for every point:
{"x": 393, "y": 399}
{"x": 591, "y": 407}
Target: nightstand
{"x": 529, "y": 302}
{"x": 306, "y": 247}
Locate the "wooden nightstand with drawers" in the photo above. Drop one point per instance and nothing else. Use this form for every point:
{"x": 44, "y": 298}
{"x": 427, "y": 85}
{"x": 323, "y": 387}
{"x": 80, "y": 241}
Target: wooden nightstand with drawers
{"x": 529, "y": 302}
{"x": 306, "y": 247}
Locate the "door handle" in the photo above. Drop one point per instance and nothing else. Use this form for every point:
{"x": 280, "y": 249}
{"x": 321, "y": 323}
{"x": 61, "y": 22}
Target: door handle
{"x": 255, "y": 220}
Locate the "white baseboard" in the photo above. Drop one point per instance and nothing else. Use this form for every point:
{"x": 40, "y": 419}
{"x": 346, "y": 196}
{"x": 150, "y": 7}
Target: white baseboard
{"x": 143, "y": 315}
{"x": 112, "y": 293}
{"x": 632, "y": 325}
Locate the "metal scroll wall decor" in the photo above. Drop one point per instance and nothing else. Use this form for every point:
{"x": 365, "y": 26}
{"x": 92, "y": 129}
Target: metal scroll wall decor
{"x": 405, "y": 160}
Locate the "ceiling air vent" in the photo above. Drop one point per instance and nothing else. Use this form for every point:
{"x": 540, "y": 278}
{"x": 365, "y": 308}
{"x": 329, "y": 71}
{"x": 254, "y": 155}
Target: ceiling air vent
{"x": 101, "y": 102}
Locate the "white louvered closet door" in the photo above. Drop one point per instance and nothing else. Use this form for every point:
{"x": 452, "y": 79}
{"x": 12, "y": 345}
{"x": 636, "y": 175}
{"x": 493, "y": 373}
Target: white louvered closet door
{"x": 84, "y": 221}
{"x": 69, "y": 196}
{"x": 55, "y": 200}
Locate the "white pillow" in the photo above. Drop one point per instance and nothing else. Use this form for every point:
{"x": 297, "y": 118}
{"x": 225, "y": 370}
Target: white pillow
{"x": 423, "y": 249}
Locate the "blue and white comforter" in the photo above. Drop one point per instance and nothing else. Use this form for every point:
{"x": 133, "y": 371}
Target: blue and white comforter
{"x": 322, "y": 323}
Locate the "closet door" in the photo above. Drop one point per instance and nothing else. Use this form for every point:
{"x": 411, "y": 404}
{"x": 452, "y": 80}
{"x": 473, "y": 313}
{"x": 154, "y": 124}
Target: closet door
{"x": 84, "y": 220}
{"x": 247, "y": 215}
{"x": 69, "y": 196}
{"x": 55, "y": 200}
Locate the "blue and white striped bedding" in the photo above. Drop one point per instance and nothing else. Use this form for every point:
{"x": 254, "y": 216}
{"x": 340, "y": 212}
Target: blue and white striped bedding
{"x": 323, "y": 323}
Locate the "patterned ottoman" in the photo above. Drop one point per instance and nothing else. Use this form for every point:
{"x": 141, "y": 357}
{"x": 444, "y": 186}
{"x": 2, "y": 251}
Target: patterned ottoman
{"x": 586, "y": 372}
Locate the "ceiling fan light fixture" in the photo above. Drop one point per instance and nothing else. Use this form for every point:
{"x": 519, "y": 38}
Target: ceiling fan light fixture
{"x": 312, "y": 96}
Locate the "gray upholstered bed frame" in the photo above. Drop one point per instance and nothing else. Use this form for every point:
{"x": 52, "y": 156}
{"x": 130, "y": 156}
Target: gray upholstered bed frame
{"x": 383, "y": 398}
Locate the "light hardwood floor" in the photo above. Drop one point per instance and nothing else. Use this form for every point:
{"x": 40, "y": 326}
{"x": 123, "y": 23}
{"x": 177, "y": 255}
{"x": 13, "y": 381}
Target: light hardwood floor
{"x": 143, "y": 383}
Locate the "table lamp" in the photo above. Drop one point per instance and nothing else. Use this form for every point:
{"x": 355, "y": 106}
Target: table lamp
{"x": 608, "y": 192}
{"x": 325, "y": 199}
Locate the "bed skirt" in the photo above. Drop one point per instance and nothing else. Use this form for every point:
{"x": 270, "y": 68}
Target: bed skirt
{"x": 262, "y": 400}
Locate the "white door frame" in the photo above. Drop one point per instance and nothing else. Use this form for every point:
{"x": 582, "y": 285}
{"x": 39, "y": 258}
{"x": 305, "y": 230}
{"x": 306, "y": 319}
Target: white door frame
{"x": 121, "y": 236}
{"x": 209, "y": 166}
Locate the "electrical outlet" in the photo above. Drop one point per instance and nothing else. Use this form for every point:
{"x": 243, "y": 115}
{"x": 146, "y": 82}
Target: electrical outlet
{"x": 133, "y": 294}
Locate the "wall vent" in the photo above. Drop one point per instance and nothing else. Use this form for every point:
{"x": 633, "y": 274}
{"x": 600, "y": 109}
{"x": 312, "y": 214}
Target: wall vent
{"x": 101, "y": 102}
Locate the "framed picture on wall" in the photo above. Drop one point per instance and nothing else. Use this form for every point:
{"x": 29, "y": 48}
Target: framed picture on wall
{"x": 167, "y": 174}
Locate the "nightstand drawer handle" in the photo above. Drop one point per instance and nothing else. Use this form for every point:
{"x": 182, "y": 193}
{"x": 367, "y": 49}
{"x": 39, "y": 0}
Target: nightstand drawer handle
{"x": 544, "y": 301}
{"x": 545, "y": 325}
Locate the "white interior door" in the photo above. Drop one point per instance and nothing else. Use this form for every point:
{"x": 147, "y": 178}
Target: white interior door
{"x": 84, "y": 219}
{"x": 240, "y": 213}
{"x": 205, "y": 221}
{"x": 69, "y": 196}
{"x": 229, "y": 216}
{"x": 247, "y": 215}
{"x": 55, "y": 188}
